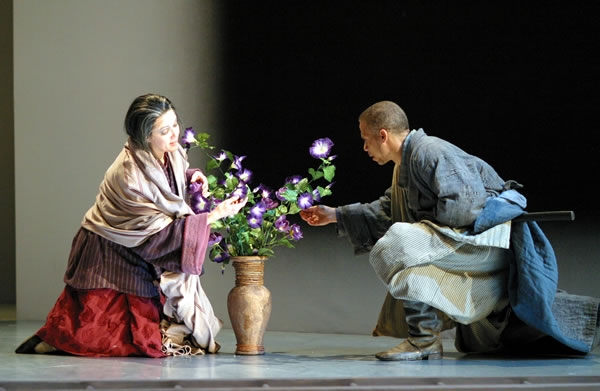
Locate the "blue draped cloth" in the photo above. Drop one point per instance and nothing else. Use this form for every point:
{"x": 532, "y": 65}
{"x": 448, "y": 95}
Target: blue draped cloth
{"x": 533, "y": 276}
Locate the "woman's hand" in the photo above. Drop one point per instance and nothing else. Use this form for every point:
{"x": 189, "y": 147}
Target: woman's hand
{"x": 226, "y": 208}
{"x": 319, "y": 215}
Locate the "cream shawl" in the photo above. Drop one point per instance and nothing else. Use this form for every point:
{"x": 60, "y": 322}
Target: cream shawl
{"x": 135, "y": 200}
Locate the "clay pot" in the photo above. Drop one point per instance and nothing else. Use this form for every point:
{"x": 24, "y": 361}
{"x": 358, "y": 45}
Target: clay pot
{"x": 249, "y": 304}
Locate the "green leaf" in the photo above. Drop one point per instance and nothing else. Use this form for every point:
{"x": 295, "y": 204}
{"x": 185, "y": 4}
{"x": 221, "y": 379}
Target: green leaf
{"x": 329, "y": 173}
{"x": 315, "y": 174}
{"x": 202, "y": 140}
{"x": 294, "y": 209}
{"x": 212, "y": 164}
{"x": 290, "y": 195}
{"x": 323, "y": 191}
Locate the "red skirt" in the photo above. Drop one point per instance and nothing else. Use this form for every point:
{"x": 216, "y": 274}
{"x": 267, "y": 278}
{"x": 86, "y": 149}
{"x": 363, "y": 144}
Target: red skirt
{"x": 104, "y": 322}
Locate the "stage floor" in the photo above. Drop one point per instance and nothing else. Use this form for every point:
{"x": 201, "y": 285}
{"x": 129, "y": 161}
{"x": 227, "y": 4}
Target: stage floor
{"x": 292, "y": 361}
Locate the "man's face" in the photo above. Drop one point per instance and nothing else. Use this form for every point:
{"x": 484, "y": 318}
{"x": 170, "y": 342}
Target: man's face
{"x": 373, "y": 144}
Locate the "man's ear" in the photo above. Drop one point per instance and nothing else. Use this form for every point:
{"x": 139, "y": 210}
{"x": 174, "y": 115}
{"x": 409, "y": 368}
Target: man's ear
{"x": 383, "y": 135}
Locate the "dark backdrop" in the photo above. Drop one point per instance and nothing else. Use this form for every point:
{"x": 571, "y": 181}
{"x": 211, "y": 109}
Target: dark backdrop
{"x": 512, "y": 82}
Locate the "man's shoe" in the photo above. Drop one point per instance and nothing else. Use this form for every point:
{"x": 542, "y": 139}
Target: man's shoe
{"x": 412, "y": 349}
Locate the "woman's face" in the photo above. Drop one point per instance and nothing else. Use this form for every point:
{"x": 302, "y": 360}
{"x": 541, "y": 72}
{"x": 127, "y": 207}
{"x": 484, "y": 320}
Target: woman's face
{"x": 165, "y": 135}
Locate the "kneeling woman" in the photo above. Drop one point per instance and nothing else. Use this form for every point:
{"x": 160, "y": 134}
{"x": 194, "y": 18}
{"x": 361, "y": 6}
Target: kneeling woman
{"x": 140, "y": 248}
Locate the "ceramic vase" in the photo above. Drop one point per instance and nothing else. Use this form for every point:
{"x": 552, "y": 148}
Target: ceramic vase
{"x": 249, "y": 304}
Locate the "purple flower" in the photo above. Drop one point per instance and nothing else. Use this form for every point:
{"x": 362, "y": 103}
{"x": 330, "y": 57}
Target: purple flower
{"x": 240, "y": 191}
{"x": 295, "y": 232}
{"x": 316, "y": 195}
{"x": 221, "y": 156}
{"x": 189, "y": 137}
{"x": 258, "y": 209}
{"x": 214, "y": 238}
{"x": 221, "y": 257}
{"x": 282, "y": 224}
{"x": 321, "y": 148}
{"x": 262, "y": 190}
{"x": 279, "y": 193}
{"x": 255, "y": 221}
{"x": 294, "y": 179}
{"x": 305, "y": 200}
{"x": 199, "y": 204}
{"x": 244, "y": 175}
{"x": 270, "y": 204}
{"x": 195, "y": 187}
{"x": 237, "y": 162}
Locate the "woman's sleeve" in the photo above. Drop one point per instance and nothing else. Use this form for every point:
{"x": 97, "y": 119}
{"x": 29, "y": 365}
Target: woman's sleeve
{"x": 195, "y": 241}
{"x": 179, "y": 247}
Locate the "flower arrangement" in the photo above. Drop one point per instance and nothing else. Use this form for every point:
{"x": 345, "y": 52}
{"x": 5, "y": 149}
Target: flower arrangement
{"x": 262, "y": 224}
